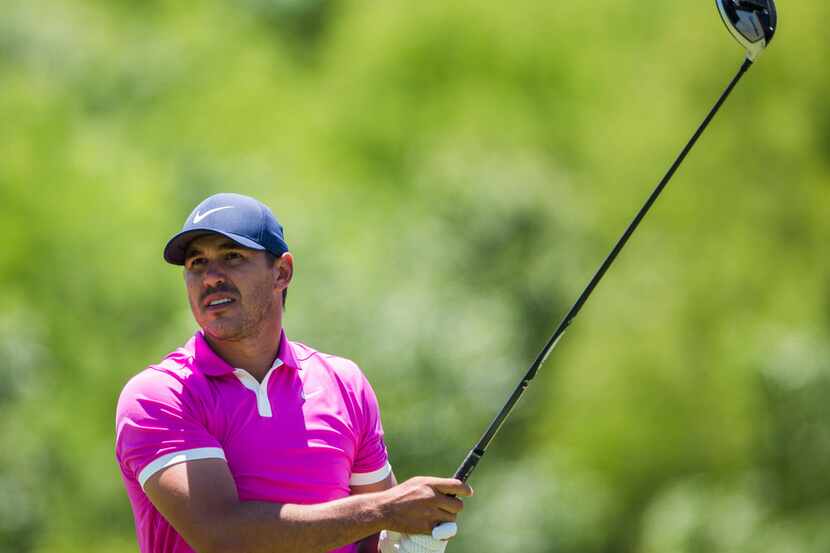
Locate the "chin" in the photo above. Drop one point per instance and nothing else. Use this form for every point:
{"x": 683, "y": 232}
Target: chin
{"x": 222, "y": 330}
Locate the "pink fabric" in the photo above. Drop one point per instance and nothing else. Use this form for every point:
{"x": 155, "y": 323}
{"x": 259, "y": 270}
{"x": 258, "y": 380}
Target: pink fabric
{"x": 325, "y": 427}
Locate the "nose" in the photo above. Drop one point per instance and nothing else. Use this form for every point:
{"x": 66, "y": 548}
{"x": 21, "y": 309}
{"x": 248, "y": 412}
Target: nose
{"x": 213, "y": 276}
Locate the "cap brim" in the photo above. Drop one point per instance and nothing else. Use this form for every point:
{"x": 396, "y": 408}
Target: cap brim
{"x": 176, "y": 248}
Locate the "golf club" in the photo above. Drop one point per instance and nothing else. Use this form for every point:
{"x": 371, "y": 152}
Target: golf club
{"x": 753, "y": 24}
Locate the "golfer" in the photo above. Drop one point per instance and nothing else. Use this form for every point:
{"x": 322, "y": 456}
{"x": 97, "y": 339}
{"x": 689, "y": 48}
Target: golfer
{"x": 244, "y": 441}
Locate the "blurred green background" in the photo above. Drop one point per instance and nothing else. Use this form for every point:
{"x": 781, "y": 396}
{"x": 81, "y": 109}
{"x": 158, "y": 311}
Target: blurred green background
{"x": 449, "y": 176}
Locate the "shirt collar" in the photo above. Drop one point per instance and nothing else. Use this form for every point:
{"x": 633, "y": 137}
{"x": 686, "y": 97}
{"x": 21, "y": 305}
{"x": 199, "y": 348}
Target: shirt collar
{"x": 209, "y": 362}
{"x": 286, "y": 352}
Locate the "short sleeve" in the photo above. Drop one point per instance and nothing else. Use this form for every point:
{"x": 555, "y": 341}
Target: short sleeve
{"x": 157, "y": 425}
{"x": 371, "y": 463}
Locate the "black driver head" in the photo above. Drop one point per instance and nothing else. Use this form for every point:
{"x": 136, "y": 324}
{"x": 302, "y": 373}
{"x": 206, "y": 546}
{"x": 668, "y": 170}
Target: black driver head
{"x": 751, "y": 22}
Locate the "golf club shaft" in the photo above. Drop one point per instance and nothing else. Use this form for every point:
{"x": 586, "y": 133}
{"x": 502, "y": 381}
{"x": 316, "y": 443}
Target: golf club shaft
{"x": 475, "y": 454}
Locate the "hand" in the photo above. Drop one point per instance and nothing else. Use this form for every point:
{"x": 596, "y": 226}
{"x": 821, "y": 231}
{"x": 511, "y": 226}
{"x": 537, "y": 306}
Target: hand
{"x": 421, "y": 503}
{"x": 393, "y": 542}
{"x": 445, "y": 531}
{"x": 389, "y": 542}
{"x": 421, "y": 543}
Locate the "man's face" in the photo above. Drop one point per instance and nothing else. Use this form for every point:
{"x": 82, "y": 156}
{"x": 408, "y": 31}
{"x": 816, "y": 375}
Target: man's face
{"x": 233, "y": 290}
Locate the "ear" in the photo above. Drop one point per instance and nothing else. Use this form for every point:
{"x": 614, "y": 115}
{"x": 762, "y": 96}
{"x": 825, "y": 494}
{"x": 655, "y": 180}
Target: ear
{"x": 283, "y": 271}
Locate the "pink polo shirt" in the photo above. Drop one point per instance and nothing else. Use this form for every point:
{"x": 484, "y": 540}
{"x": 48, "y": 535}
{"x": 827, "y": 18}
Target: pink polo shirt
{"x": 303, "y": 435}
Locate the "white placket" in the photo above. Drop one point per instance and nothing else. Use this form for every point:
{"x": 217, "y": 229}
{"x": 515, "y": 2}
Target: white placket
{"x": 263, "y": 404}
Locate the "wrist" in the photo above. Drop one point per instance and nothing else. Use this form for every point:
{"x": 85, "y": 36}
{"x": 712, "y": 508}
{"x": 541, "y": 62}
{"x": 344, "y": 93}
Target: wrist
{"x": 374, "y": 510}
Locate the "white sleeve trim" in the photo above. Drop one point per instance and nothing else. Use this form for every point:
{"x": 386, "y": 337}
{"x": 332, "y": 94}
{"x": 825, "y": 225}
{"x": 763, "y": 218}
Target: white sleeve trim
{"x": 365, "y": 478}
{"x": 179, "y": 457}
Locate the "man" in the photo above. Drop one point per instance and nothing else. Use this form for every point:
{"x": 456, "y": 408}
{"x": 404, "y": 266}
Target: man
{"x": 243, "y": 441}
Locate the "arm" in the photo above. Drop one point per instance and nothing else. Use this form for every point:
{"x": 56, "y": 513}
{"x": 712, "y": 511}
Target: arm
{"x": 200, "y": 500}
{"x": 370, "y": 544}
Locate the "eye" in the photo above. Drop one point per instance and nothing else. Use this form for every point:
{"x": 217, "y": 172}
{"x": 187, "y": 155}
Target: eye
{"x": 196, "y": 262}
{"x": 233, "y": 256}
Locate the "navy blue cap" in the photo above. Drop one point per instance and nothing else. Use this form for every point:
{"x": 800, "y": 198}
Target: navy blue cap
{"x": 243, "y": 219}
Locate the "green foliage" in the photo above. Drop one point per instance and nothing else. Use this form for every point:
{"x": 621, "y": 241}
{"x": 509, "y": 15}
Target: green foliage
{"x": 449, "y": 176}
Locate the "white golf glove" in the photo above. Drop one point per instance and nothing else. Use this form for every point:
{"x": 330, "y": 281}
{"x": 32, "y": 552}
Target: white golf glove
{"x": 393, "y": 542}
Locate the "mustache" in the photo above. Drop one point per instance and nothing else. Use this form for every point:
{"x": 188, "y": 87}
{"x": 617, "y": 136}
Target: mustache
{"x": 222, "y": 288}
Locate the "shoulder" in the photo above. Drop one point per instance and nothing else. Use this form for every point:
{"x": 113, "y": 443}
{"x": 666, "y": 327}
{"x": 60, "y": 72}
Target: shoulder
{"x": 311, "y": 359}
{"x": 172, "y": 381}
{"x": 343, "y": 370}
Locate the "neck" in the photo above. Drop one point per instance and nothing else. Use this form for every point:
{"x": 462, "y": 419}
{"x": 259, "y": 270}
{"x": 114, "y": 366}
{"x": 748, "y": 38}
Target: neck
{"x": 255, "y": 353}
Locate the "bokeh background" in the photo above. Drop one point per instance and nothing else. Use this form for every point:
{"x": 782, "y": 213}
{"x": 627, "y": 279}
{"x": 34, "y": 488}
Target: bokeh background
{"x": 449, "y": 175}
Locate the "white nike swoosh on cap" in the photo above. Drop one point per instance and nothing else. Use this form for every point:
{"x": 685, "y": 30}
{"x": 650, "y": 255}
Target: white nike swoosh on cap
{"x": 199, "y": 216}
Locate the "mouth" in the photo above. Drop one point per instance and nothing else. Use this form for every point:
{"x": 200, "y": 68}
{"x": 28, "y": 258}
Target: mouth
{"x": 217, "y": 302}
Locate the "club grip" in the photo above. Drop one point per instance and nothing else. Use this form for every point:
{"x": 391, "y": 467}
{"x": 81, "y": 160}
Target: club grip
{"x": 469, "y": 464}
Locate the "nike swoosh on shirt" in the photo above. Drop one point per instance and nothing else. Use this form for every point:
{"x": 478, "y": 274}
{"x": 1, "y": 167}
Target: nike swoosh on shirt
{"x": 307, "y": 395}
{"x": 199, "y": 216}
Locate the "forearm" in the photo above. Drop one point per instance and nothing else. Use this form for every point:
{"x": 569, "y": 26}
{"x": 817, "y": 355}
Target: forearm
{"x": 256, "y": 527}
{"x": 199, "y": 499}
